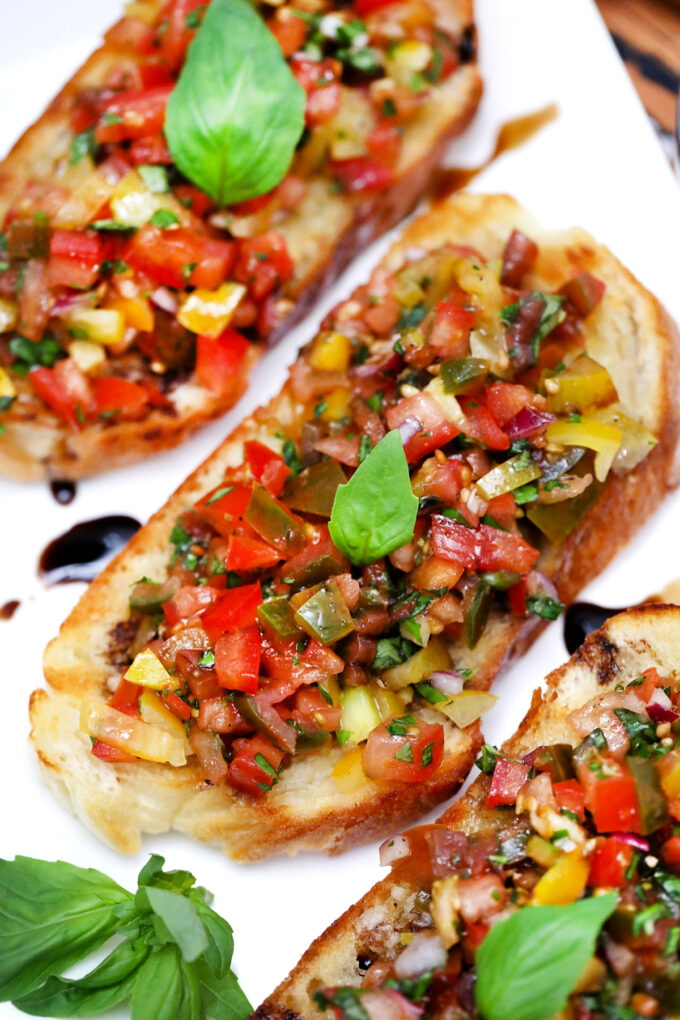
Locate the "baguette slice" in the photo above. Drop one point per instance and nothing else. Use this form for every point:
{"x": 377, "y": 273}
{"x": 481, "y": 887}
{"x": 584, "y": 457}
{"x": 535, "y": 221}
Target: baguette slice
{"x": 622, "y": 649}
{"x": 629, "y": 333}
{"x": 322, "y": 230}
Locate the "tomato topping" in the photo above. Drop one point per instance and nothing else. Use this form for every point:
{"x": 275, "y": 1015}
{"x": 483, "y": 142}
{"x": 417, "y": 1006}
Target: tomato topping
{"x": 178, "y": 30}
{"x": 318, "y": 79}
{"x": 110, "y": 754}
{"x": 132, "y": 32}
{"x": 224, "y": 508}
{"x": 120, "y": 397}
{"x": 267, "y": 466}
{"x": 75, "y": 259}
{"x": 611, "y": 797}
{"x": 126, "y": 697}
{"x": 237, "y": 659}
{"x": 189, "y": 601}
{"x": 65, "y": 390}
{"x": 366, "y": 7}
{"x": 435, "y": 428}
{"x": 670, "y": 852}
{"x": 152, "y": 149}
{"x": 246, "y": 554}
{"x": 313, "y": 712}
{"x": 176, "y": 705}
{"x": 450, "y": 332}
{"x": 505, "y": 400}
{"x": 219, "y": 362}
{"x": 359, "y": 174}
{"x": 133, "y": 114}
{"x": 610, "y": 861}
{"x": 485, "y": 548}
{"x": 517, "y": 597}
{"x": 409, "y": 751}
{"x": 179, "y": 257}
{"x": 481, "y": 426}
{"x": 507, "y": 778}
{"x": 290, "y": 33}
{"x": 263, "y": 263}
{"x": 234, "y": 609}
{"x": 255, "y": 765}
{"x": 569, "y": 795}
{"x": 384, "y": 143}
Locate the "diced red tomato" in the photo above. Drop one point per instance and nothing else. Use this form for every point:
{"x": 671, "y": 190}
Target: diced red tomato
{"x": 320, "y": 657}
{"x": 234, "y": 609}
{"x": 176, "y": 705}
{"x": 445, "y": 481}
{"x": 189, "y": 601}
{"x": 502, "y": 508}
{"x": 507, "y": 778}
{"x": 152, "y": 73}
{"x": 611, "y": 797}
{"x": 517, "y": 597}
{"x": 151, "y": 149}
{"x": 570, "y": 796}
{"x": 194, "y": 199}
{"x": 219, "y": 362}
{"x": 290, "y": 33}
{"x": 75, "y": 259}
{"x": 65, "y": 390}
{"x": 313, "y": 712}
{"x": 436, "y": 429}
{"x": 473, "y": 938}
{"x": 224, "y": 508}
{"x": 167, "y": 256}
{"x": 365, "y": 7}
{"x": 505, "y": 400}
{"x": 263, "y": 262}
{"x": 670, "y": 852}
{"x": 450, "y": 331}
{"x": 481, "y": 426}
{"x": 209, "y": 749}
{"x": 237, "y": 659}
{"x": 222, "y": 716}
{"x": 267, "y": 466}
{"x": 120, "y": 397}
{"x": 485, "y": 548}
{"x": 359, "y": 174}
{"x": 318, "y": 79}
{"x": 133, "y": 33}
{"x": 384, "y": 143}
{"x": 177, "y": 34}
{"x": 110, "y": 754}
{"x": 248, "y": 772}
{"x": 411, "y": 758}
{"x": 609, "y": 863}
{"x": 245, "y": 554}
{"x": 126, "y": 697}
{"x": 649, "y": 685}
{"x": 585, "y": 292}
{"x": 133, "y": 114}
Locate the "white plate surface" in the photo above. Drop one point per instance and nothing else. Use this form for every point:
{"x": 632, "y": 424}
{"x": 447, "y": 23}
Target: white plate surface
{"x": 598, "y": 165}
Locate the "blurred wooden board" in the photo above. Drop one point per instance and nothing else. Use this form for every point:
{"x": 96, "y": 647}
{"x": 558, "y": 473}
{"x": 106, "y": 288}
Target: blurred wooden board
{"x": 647, "y": 35}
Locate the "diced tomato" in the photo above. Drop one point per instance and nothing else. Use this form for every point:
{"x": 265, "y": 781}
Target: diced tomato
{"x": 365, "y": 7}
{"x": 262, "y": 263}
{"x": 609, "y": 863}
{"x": 65, "y": 390}
{"x": 237, "y": 659}
{"x": 75, "y": 259}
{"x": 313, "y": 712}
{"x": 224, "y": 508}
{"x": 176, "y": 705}
{"x": 481, "y": 426}
{"x": 219, "y": 362}
{"x": 323, "y": 658}
{"x": 234, "y": 609}
{"x": 359, "y": 174}
{"x": 189, "y": 601}
{"x": 670, "y": 852}
{"x": 168, "y": 256}
{"x": 267, "y": 466}
{"x": 120, "y": 397}
{"x": 485, "y": 548}
{"x": 178, "y": 33}
{"x": 569, "y": 795}
{"x": 517, "y": 597}
{"x": 585, "y": 292}
{"x": 649, "y": 685}
{"x": 151, "y": 74}
{"x": 436, "y": 429}
{"x": 150, "y": 149}
{"x": 318, "y": 79}
{"x": 411, "y": 758}
{"x": 222, "y": 716}
{"x": 518, "y": 258}
{"x": 611, "y": 797}
{"x": 450, "y": 331}
{"x": 473, "y": 938}
{"x": 505, "y": 400}
{"x": 290, "y": 33}
{"x": 133, "y": 33}
{"x": 245, "y": 554}
{"x": 246, "y": 772}
{"x": 384, "y": 143}
{"x": 507, "y": 778}
{"x": 133, "y": 114}
{"x": 110, "y": 754}
{"x": 209, "y": 749}
{"x": 445, "y": 481}
{"x": 194, "y": 199}
{"x": 126, "y": 697}
{"x": 502, "y": 508}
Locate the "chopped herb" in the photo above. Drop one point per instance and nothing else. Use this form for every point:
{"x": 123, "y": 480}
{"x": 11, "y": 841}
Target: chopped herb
{"x": 365, "y": 447}
{"x": 31, "y": 353}
{"x": 110, "y": 119}
{"x": 551, "y": 316}
{"x": 219, "y": 493}
{"x": 207, "y": 659}
{"x": 82, "y": 144}
{"x": 640, "y": 731}
{"x": 430, "y": 693}
{"x": 112, "y": 226}
{"x": 426, "y": 757}
{"x": 375, "y": 402}
{"x": 455, "y": 515}
{"x": 646, "y": 919}
{"x": 410, "y": 318}
{"x": 193, "y": 18}
{"x": 574, "y": 416}
{"x": 290, "y": 456}
{"x": 187, "y": 270}
{"x": 399, "y": 725}
{"x": 544, "y": 606}
{"x": 6, "y": 403}
{"x": 392, "y": 651}
{"x": 405, "y": 753}
{"x": 163, "y": 218}
{"x": 320, "y": 408}
{"x": 343, "y": 736}
{"x": 525, "y": 494}
{"x": 488, "y": 757}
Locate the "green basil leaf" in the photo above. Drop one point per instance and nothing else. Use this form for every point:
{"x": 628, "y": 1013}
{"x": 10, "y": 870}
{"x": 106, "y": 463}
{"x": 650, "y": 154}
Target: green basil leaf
{"x": 375, "y": 512}
{"x": 221, "y": 997}
{"x": 236, "y": 114}
{"x": 179, "y": 916}
{"x": 103, "y": 988}
{"x": 51, "y": 916}
{"x": 159, "y": 987}
{"x": 528, "y": 964}
{"x": 176, "y": 881}
{"x": 220, "y": 938}
{"x": 190, "y": 1006}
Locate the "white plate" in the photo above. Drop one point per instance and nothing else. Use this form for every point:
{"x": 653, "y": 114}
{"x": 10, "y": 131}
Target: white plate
{"x": 598, "y": 165}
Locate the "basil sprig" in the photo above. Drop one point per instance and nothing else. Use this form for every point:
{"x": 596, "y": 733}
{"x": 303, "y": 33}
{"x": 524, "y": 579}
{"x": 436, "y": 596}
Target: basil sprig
{"x": 376, "y": 511}
{"x": 174, "y": 961}
{"x": 529, "y": 964}
{"x": 236, "y": 114}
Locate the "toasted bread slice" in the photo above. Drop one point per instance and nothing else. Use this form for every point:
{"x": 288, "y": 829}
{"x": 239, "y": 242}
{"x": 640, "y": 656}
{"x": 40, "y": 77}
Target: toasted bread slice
{"x": 632, "y": 337}
{"x": 323, "y": 228}
{"x": 622, "y": 649}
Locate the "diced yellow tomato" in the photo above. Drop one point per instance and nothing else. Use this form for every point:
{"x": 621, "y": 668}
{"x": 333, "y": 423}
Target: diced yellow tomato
{"x": 209, "y": 312}
{"x": 331, "y": 353}
{"x": 435, "y": 656}
{"x": 337, "y": 404}
{"x": 86, "y": 354}
{"x": 101, "y": 325}
{"x": 445, "y": 906}
{"x": 583, "y": 385}
{"x": 148, "y": 671}
{"x": 390, "y": 703}
{"x": 406, "y": 59}
{"x": 594, "y": 435}
{"x": 137, "y": 312}
{"x": 564, "y": 881}
{"x": 509, "y": 475}
{"x": 153, "y": 711}
{"x": 6, "y": 385}
{"x": 127, "y": 733}
{"x": 8, "y": 314}
{"x": 467, "y": 707}
{"x": 349, "y": 772}
{"x": 360, "y": 714}
{"x": 541, "y": 851}
{"x": 592, "y": 976}
{"x": 669, "y": 767}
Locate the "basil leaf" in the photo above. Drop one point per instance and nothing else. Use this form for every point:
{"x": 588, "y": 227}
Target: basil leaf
{"x": 190, "y": 1003}
{"x": 375, "y": 512}
{"x": 159, "y": 986}
{"x": 103, "y": 988}
{"x": 221, "y": 997}
{"x": 528, "y": 964}
{"x": 51, "y": 916}
{"x": 221, "y": 940}
{"x": 236, "y": 114}
{"x": 179, "y": 917}
{"x": 176, "y": 881}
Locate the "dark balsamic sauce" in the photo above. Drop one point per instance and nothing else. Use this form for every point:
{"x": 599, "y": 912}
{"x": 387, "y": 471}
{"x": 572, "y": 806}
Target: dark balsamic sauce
{"x": 582, "y": 619}
{"x": 63, "y": 491}
{"x": 85, "y": 549}
{"x": 9, "y": 609}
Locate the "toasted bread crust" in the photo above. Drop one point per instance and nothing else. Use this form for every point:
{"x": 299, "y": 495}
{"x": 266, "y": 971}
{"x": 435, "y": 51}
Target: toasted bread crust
{"x": 153, "y": 798}
{"x": 624, "y": 647}
{"x": 323, "y": 235}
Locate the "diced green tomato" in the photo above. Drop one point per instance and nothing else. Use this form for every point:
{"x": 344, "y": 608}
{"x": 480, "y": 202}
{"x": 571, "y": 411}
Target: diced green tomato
{"x": 653, "y": 804}
{"x": 509, "y": 475}
{"x": 209, "y": 750}
{"x": 541, "y": 851}
{"x": 148, "y": 597}
{"x": 426, "y": 661}
{"x": 462, "y": 374}
{"x": 309, "y": 739}
{"x": 325, "y": 615}
{"x": 501, "y": 579}
{"x": 359, "y": 714}
{"x": 477, "y": 605}
{"x": 313, "y": 490}
{"x": 583, "y": 385}
{"x": 272, "y": 521}
{"x": 558, "y": 520}
{"x": 316, "y": 563}
{"x": 266, "y": 720}
{"x": 276, "y": 616}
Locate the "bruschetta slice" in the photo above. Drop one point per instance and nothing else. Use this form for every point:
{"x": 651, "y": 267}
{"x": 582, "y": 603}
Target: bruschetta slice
{"x": 577, "y": 812}
{"x": 300, "y": 644}
{"x": 135, "y": 296}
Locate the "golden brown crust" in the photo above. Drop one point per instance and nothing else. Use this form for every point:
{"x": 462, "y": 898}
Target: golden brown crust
{"x": 77, "y": 663}
{"x": 623, "y": 648}
{"x": 323, "y": 235}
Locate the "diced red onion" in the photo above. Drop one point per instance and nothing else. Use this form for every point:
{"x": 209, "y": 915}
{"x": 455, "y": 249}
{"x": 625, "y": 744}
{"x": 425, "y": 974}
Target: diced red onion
{"x": 389, "y": 1004}
{"x": 409, "y": 428}
{"x": 447, "y": 681}
{"x": 660, "y": 712}
{"x": 165, "y": 299}
{"x": 424, "y": 953}
{"x": 633, "y": 840}
{"x": 476, "y": 504}
{"x": 66, "y": 304}
{"x": 526, "y": 422}
{"x": 538, "y": 583}
{"x": 371, "y": 368}
{"x": 393, "y": 850}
